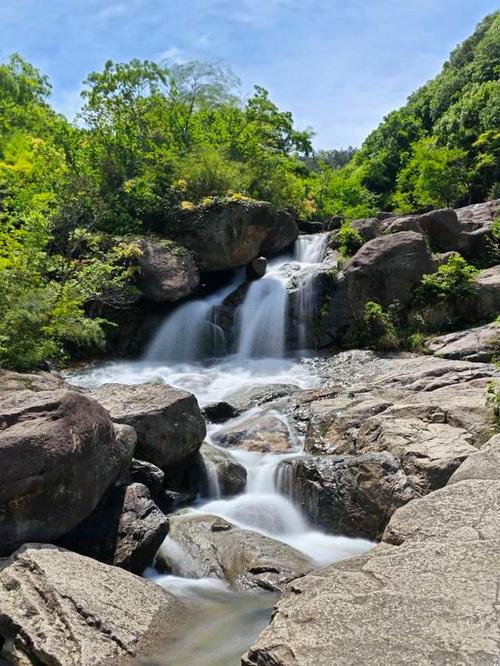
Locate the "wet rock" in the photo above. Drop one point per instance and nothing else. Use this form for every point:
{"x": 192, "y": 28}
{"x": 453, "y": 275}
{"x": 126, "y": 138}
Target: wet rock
{"x": 231, "y": 476}
{"x": 256, "y": 269}
{"x": 349, "y": 495}
{"x": 168, "y": 271}
{"x": 255, "y": 395}
{"x": 465, "y": 511}
{"x": 220, "y": 412}
{"x": 229, "y": 234}
{"x": 485, "y": 464}
{"x": 311, "y": 227}
{"x": 479, "y": 344}
{"x": 149, "y": 475}
{"x": 168, "y": 422}
{"x": 419, "y": 599}
{"x": 245, "y": 559}
{"x": 59, "y": 453}
{"x": 125, "y": 530}
{"x": 67, "y": 610}
{"x": 263, "y": 433}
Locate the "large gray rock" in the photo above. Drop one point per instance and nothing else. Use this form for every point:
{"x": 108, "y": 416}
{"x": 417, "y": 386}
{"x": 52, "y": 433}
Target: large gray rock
{"x": 485, "y": 464}
{"x": 168, "y": 422}
{"x": 262, "y": 433}
{"x": 126, "y": 529}
{"x": 63, "y": 609}
{"x": 350, "y": 495}
{"x": 59, "y": 453}
{"x": 479, "y": 344}
{"x": 245, "y": 559}
{"x": 487, "y": 298}
{"x": 168, "y": 272}
{"x": 228, "y": 234}
{"x": 477, "y": 215}
{"x": 465, "y": 511}
{"x": 419, "y": 603}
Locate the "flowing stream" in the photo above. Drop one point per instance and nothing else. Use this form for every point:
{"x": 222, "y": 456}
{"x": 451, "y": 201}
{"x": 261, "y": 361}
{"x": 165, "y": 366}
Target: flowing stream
{"x": 192, "y": 351}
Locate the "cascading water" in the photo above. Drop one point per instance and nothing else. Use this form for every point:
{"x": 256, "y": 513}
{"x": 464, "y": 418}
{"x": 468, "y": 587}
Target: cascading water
{"x": 184, "y": 354}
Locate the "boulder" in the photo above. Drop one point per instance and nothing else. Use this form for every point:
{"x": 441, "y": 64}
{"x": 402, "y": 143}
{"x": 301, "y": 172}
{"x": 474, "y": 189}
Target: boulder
{"x": 149, "y": 475}
{"x": 465, "y": 511}
{"x": 63, "y": 609}
{"x": 255, "y": 395}
{"x": 220, "y": 412}
{"x": 407, "y": 223}
{"x": 350, "y": 495}
{"x": 168, "y": 271}
{"x": 479, "y": 344}
{"x": 478, "y": 215}
{"x": 125, "y": 530}
{"x": 247, "y": 560}
{"x": 485, "y": 464}
{"x": 487, "y": 297}
{"x": 59, "y": 453}
{"x": 368, "y": 229}
{"x": 443, "y": 229}
{"x": 256, "y": 268}
{"x": 263, "y": 433}
{"x": 386, "y": 270}
{"x": 311, "y": 226}
{"x": 418, "y": 603}
{"x": 231, "y": 476}
{"x": 229, "y": 234}
{"x": 168, "y": 422}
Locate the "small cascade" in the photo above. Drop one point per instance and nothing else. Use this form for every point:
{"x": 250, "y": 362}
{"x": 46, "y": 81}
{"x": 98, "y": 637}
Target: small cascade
{"x": 191, "y": 332}
{"x": 212, "y": 479}
{"x": 310, "y": 252}
{"x": 261, "y": 319}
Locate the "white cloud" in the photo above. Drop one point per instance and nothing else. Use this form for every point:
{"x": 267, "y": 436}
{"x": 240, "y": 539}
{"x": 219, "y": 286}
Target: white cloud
{"x": 172, "y": 54}
{"x": 112, "y": 11}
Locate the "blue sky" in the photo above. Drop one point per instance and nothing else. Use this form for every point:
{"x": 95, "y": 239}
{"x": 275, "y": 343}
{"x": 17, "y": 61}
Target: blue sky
{"x": 338, "y": 65}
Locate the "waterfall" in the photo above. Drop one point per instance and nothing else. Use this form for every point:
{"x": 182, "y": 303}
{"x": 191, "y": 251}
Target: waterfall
{"x": 191, "y": 332}
{"x": 261, "y": 319}
{"x": 311, "y": 249}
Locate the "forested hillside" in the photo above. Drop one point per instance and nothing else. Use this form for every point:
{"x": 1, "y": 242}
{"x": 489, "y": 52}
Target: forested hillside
{"x": 152, "y": 141}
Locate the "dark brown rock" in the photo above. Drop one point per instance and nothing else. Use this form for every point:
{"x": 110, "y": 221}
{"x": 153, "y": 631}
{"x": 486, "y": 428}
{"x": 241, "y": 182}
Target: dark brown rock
{"x": 125, "y": 530}
{"x": 168, "y": 422}
{"x": 59, "y": 453}
{"x": 256, "y": 269}
{"x": 350, "y": 495}
{"x": 168, "y": 272}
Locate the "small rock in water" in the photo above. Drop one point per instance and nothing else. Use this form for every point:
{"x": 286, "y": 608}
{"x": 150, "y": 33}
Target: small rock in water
{"x": 256, "y": 269}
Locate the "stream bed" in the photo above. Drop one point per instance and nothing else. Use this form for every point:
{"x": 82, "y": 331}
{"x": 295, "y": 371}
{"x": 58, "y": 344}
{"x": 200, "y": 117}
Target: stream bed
{"x": 226, "y": 621}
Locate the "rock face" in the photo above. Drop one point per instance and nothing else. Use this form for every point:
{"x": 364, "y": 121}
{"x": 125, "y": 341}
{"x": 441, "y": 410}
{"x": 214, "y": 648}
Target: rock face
{"x": 226, "y": 235}
{"x": 67, "y": 610}
{"x": 349, "y": 495}
{"x": 386, "y": 269}
{"x": 126, "y": 529}
{"x": 168, "y": 422}
{"x": 246, "y": 559}
{"x": 59, "y": 453}
{"x": 479, "y": 344}
{"x": 485, "y": 464}
{"x": 263, "y": 433}
{"x": 419, "y": 603}
{"x": 465, "y": 511}
{"x": 167, "y": 273}
{"x": 231, "y": 476}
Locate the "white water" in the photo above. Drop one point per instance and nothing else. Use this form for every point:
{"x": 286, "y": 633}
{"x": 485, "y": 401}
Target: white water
{"x": 182, "y": 354}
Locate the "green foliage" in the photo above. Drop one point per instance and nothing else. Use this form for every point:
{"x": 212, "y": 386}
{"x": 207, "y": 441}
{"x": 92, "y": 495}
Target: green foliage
{"x": 379, "y": 328}
{"x": 453, "y": 282}
{"x": 348, "y": 240}
{"x": 442, "y": 148}
{"x": 493, "y": 401}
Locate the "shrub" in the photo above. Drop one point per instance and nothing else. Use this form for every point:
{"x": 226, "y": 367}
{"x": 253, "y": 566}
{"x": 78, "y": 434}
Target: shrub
{"x": 349, "y": 240}
{"x": 451, "y": 283}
